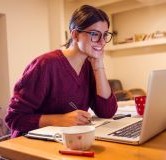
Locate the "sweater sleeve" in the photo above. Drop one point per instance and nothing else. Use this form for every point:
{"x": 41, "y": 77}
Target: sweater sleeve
{"x": 29, "y": 92}
{"x": 105, "y": 108}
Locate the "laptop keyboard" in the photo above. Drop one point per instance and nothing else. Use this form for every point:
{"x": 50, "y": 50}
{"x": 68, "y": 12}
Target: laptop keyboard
{"x": 131, "y": 131}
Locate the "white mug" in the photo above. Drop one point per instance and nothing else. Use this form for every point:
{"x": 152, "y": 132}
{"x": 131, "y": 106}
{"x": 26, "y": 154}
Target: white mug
{"x": 78, "y": 137}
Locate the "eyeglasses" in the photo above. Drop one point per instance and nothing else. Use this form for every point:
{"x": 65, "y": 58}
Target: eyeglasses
{"x": 96, "y": 35}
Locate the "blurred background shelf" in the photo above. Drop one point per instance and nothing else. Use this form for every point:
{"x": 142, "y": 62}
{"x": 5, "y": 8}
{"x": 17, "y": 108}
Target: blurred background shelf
{"x": 146, "y": 43}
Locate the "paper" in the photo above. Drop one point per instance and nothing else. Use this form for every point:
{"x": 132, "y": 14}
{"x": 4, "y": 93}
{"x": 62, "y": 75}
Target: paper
{"x": 127, "y": 110}
{"x": 99, "y": 121}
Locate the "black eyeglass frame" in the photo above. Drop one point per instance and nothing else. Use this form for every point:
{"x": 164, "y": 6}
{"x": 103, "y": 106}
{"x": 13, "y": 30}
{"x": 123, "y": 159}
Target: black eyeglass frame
{"x": 101, "y": 35}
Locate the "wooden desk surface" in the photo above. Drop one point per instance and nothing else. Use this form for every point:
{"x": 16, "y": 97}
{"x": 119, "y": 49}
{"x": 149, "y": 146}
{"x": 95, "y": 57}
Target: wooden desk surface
{"x": 22, "y": 148}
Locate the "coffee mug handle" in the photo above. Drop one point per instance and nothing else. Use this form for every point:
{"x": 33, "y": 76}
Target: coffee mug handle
{"x": 58, "y": 138}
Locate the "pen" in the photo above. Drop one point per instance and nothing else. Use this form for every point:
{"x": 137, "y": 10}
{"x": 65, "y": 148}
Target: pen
{"x": 72, "y": 104}
{"x": 121, "y": 116}
{"x": 77, "y": 153}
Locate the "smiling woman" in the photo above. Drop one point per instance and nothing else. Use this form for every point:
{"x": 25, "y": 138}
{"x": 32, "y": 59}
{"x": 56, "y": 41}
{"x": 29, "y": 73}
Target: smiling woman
{"x": 42, "y": 96}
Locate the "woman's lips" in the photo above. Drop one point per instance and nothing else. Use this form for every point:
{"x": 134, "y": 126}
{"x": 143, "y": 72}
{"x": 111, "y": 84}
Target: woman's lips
{"x": 97, "y": 48}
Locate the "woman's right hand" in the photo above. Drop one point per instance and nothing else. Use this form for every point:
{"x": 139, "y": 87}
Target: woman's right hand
{"x": 77, "y": 117}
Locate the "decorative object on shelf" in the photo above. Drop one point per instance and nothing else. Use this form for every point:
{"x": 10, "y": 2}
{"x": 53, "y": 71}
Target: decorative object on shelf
{"x": 139, "y": 37}
{"x": 142, "y": 37}
{"x": 159, "y": 34}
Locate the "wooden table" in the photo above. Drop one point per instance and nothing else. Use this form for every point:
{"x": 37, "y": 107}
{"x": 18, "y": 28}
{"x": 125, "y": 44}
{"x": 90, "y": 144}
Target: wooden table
{"x": 22, "y": 148}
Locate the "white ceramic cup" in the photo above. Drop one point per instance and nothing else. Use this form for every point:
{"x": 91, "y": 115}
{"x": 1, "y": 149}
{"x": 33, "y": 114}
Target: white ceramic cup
{"x": 78, "y": 137}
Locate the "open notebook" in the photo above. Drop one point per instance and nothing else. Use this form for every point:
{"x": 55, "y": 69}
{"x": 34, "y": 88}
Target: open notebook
{"x": 54, "y": 133}
{"x": 153, "y": 122}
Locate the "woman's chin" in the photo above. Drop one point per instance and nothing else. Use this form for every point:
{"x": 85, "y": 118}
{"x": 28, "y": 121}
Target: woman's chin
{"x": 97, "y": 54}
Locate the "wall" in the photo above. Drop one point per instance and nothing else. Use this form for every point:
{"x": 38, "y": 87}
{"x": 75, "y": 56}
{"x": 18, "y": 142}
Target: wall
{"x": 56, "y": 23}
{"x": 132, "y": 66}
{"x": 4, "y": 71}
{"x": 133, "y": 69}
{"x": 27, "y": 33}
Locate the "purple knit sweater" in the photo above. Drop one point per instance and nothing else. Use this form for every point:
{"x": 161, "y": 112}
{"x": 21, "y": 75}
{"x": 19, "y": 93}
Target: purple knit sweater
{"x": 47, "y": 86}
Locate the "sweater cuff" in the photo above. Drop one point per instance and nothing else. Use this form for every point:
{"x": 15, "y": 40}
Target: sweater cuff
{"x": 106, "y": 108}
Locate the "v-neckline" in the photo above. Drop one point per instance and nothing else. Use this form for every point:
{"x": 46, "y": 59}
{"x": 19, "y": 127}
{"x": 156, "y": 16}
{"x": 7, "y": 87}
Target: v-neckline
{"x": 71, "y": 70}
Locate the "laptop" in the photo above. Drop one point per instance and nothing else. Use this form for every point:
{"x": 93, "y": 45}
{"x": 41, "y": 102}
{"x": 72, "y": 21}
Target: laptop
{"x": 141, "y": 129}
{"x": 152, "y": 123}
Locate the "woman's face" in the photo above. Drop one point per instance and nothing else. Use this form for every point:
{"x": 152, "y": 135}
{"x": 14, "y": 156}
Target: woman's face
{"x": 87, "y": 42}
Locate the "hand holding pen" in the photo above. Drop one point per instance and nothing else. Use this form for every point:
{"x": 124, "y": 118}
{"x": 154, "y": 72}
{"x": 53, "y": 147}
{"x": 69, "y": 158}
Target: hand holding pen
{"x": 83, "y": 116}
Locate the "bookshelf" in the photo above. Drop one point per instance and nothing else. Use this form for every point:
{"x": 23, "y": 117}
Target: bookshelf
{"x": 134, "y": 21}
{"x": 139, "y": 44}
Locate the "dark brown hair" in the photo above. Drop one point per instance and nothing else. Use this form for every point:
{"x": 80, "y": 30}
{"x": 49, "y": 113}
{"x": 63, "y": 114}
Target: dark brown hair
{"x": 84, "y": 17}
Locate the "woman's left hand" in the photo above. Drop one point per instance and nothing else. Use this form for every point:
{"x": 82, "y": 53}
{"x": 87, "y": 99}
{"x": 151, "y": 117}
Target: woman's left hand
{"x": 97, "y": 63}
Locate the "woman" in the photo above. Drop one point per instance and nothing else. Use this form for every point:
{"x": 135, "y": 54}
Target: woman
{"x": 58, "y": 88}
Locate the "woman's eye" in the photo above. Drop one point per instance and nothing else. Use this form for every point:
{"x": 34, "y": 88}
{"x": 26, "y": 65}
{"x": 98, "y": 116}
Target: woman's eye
{"x": 94, "y": 34}
{"x": 106, "y": 34}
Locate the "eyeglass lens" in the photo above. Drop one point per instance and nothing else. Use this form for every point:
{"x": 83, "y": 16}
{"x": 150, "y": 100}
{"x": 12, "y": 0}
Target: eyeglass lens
{"x": 96, "y": 36}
